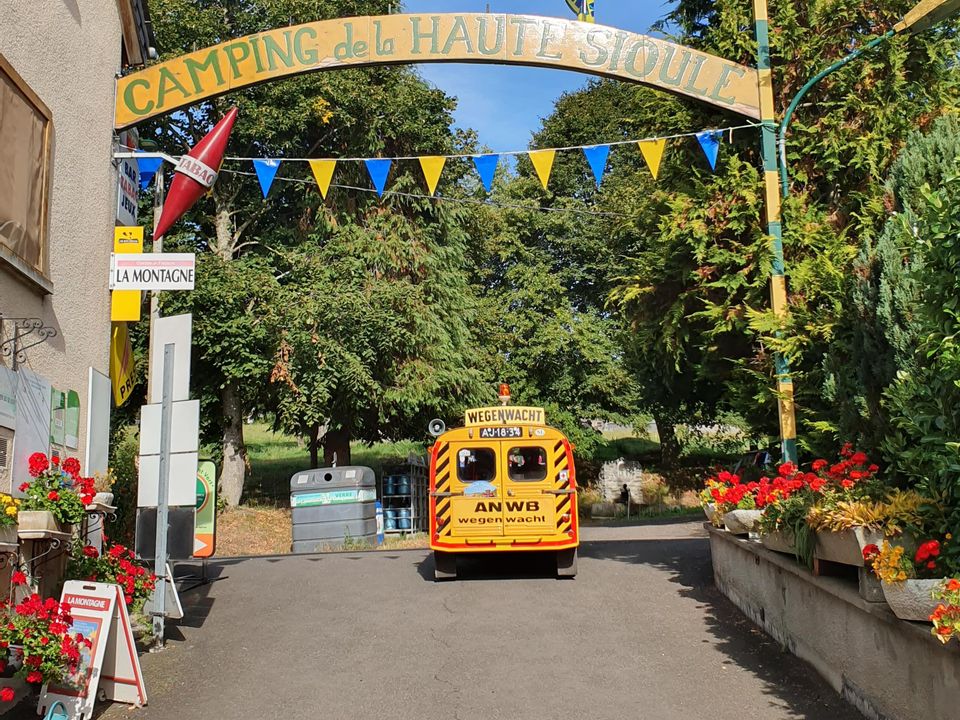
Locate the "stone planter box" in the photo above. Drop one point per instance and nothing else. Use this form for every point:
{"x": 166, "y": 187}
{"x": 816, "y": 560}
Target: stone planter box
{"x": 37, "y": 521}
{"x": 911, "y": 599}
{"x": 741, "y": 522}
{"x": 103, "y": 498}
{"x": 846, "y": 547}
{"x": 779, "y": 541}
{"x": 8, "y": 534}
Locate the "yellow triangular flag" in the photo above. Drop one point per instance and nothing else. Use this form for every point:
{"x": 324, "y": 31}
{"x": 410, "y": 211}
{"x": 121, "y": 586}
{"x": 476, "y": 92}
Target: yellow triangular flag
{"x": 432, "y": 167}
{"x": 323, "y": 173}
{"x": 653, "y": 153}
{"x": 543, "y": 163}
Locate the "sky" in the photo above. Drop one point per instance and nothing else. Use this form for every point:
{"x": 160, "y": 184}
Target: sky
{"x": 505, "y": 104}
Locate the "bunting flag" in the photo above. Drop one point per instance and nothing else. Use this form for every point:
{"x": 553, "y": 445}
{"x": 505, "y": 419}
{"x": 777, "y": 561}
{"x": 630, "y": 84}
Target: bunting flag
{"x": 378, "y": 169}
{"x": 652, "y": 151}
{"x": 543, "y": 163}
{"x": 486, "y": 166}
{"x": 266, "y": 172}
{"x": 432, "y": 167}
{"x": 710, "y": 142}
{"x": 323, "y": 174}
{"x": 148, "y": 168}
{"x": 597, "y": 156}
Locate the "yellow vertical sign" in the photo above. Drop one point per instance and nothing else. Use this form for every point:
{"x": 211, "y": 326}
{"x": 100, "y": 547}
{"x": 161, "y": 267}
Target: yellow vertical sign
{"x": 125, "y": 304}
{"x": 121, "y": 363}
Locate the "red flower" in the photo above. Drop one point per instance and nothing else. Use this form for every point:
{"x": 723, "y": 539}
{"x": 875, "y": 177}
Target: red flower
{"x": 55, "y": 460}
{"x": 34, "y": 677}
{"x": 787, "y": 469}
{"x": 71, "y": 466}
{"x": 53, "y": 495}
{"x": 24, "y": 486}
{"x": 953, "y": 585}
{"x": 90, "y": 551}
{"x": 932, "y": 565}
{"x": 873, "y": 468}
{"x": 847, "y": 484}
{"x": 6, "y": 694}
{"x": 818, "y": 465}
{"x": 44, "y": 640}
{"x": 33, "y": 661}
{"x": 870, "y": 552}
{"x": 128, "y": 599}
{"x": 945, "y": 630}
{"x": 37, "y": 464}
{"x": 18, "y": 578}
{"x": 858, "y": 458}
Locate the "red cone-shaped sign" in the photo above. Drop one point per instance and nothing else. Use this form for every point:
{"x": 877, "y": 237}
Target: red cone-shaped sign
{"x": 195, "y": 173}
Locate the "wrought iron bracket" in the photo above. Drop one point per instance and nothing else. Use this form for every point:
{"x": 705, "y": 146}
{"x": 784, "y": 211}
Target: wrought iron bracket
{"x": 27, "y": 332}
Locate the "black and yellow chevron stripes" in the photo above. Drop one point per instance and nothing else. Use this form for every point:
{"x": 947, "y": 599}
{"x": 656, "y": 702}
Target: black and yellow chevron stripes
{"x": 442, "y": 485}
{"x": 560, "y": 463}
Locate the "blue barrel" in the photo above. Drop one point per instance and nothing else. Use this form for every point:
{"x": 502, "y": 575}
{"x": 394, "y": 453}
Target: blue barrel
{"x": 389, "y": 486}
{"x": 403, "y": 485}
{"x": 391, "y": 519}
{"x": 403, "y": 519}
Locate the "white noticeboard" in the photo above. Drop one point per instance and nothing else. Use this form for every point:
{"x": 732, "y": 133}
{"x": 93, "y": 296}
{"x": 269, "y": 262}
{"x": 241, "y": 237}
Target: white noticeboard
{"x": 152, "y": 271}
{"x": 96, "y": 454}
{"x": 182, "y": 487}
{"x": 100, "y": 615}
{"x": 33, "y": 424}
{"x": 8, "y": 398}
{"x": 175, "y": 329}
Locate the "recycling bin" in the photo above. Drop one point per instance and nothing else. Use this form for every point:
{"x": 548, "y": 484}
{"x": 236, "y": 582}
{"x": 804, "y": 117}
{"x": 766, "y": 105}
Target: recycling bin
{"x": 331, "y": 506}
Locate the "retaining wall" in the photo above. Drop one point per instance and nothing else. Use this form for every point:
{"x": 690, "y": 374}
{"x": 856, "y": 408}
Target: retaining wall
{"x": 889, "y": 669}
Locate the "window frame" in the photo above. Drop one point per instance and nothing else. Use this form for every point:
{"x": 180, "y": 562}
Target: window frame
{"x": 546, "y": 458}
{"x": 495, "y": 469}
{"x": 37, "y": 276}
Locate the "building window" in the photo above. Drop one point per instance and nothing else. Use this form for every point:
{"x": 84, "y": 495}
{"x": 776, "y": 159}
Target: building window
{"x": 25, "y": 134}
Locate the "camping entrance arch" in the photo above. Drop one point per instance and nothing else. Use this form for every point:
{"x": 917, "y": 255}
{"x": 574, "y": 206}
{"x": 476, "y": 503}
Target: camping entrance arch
{"x": 484, "y": 38}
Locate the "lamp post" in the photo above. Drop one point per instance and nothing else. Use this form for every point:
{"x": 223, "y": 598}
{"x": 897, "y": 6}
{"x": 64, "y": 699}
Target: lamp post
{"x": 924, "y": 15}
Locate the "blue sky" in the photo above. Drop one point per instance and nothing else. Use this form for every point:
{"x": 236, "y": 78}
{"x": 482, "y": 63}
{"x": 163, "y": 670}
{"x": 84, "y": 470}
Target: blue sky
{"x": 506, "y": 104}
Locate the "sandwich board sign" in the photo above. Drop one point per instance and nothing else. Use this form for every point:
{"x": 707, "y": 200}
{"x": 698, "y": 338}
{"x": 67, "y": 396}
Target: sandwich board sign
{"x": 111, "y": 663}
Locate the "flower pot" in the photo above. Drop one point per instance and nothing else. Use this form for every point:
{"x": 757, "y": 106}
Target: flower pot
{"x": 103, "y": 498}
{"x": 911, "y": 599}
{"x": 8, "y": 534}
{"x": 741, "y": 522}
{"x": 779, "y": 541}
{"x": 37, "y": 521}
{"x": 846, "y": 547}
{"x": 710, "y": 510}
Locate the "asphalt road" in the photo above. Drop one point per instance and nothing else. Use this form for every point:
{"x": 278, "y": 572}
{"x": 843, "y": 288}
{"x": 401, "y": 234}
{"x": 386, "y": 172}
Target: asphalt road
{"x": 640, "y": 633}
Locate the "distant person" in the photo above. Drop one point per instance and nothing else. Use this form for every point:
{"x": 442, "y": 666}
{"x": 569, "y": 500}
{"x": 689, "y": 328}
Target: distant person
{"x": 624, "y": 495}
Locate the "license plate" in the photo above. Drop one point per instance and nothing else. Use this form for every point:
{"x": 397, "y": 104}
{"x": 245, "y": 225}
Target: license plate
{"x": 500, "y": 433}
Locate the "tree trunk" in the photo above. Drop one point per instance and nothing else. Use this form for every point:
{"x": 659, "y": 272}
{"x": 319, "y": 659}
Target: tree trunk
{"x": 314, "y": 445}
{"x": 234, "y": 451}
{"x": 669, "y": 445}
{"x": 336, "y": 442}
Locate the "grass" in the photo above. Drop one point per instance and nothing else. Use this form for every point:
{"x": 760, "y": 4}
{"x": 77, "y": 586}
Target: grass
{"x": 274, "y": 458}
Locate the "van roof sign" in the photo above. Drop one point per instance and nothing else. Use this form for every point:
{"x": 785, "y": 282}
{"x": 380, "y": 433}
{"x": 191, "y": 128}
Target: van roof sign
{"x": 506, "y": 415}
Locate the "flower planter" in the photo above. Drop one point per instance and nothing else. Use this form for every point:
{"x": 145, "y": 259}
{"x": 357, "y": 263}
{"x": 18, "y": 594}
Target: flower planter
{"x": 710, "y": 510}
{"x": 37, "y": 521}
{"x": 103, "y": 498}
{"x": 911, "y": 599}
{"x": 8, "y": 534}
{"x": 741, "y": 522}
{"x": 846, "y": 547}
{"x": 779, "y": 541}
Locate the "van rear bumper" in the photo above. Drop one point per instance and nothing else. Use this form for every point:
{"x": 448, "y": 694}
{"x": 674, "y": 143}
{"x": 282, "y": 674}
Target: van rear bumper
{"x": 501, "y": 544}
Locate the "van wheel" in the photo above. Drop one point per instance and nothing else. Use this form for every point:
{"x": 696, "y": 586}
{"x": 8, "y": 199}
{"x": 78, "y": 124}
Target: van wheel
{"x": 444, "y": 565}
{"x": 567, "y": 563}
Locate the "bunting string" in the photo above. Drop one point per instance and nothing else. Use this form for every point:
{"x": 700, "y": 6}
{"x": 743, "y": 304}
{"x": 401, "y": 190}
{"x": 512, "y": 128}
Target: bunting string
{"x": 432, "y": 166}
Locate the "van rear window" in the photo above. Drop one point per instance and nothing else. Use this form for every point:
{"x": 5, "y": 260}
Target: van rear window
{"x": 476, "y": 465}
{"x": 527, "y": 464}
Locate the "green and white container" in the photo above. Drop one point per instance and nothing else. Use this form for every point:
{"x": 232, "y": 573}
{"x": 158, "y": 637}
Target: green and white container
{"x": 332, "y": 505}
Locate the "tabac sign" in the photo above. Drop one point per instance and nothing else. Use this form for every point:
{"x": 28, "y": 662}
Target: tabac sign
{"x": 459, "y": 37}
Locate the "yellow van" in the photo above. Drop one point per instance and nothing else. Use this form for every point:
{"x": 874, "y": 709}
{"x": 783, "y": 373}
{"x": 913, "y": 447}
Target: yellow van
{"x": 505, "y": 482}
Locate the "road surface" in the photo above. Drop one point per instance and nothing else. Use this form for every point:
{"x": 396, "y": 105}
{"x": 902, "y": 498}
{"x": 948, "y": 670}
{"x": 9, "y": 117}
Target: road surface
{"x": 640, "y": 633}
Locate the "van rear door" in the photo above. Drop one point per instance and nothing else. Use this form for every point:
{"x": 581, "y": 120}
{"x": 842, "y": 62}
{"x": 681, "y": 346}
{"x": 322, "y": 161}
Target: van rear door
{"x": 477, "y": 489}
{"x": 529, "y": 504}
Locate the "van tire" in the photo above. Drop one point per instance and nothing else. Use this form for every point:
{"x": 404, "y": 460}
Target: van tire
{"x": 444, "y": 566}
{"x": 567, "y": 563}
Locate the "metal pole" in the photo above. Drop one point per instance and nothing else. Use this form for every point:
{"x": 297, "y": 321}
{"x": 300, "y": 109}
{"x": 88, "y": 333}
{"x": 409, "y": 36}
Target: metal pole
{"x": 788, "y": 115}
{"x": 160, "y": 552}
{"x": 158, "y": 198}
{"x": 778, "y": 281}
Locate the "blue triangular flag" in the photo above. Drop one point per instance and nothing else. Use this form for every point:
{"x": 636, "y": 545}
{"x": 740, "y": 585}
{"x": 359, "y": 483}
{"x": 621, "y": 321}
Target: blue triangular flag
{"x": 487, "y": 167}
{"x": 148, "y": 168}
{"x": 266, "y": 172}
{"x": 379, "y": 169}
{"x": 710, "y": 142}
{"x": 597, "y": 157}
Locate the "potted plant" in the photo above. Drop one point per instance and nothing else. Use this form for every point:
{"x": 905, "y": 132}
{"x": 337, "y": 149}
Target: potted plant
{"x": 103, "y": 488}
{"x": 946, "y": 616}
{"x": 56, "y": 497}
{"x": 909, "y": 580}
{"x": 734, "y": 502}
{"x": 35, "y": 638}
{"x": 784, "y": 526}
{"x": 9, "y": 507}
{"x": 116, "y": 565}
